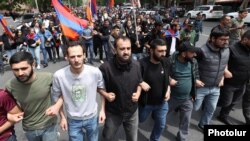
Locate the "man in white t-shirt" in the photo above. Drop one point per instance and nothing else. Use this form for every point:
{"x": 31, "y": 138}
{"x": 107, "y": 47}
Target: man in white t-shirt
{"x": 77, "y": 84}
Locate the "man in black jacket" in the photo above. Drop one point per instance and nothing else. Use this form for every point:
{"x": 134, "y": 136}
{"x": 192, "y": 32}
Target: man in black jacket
{"x": 122, "y": 77}
{"x": 233, "y": 89}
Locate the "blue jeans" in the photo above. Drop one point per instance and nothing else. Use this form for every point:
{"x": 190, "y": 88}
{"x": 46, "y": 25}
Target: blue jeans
{"x": 89, "y": 51}
{"x": 35, "y": 51}
{"x": 210, "y": 96}
{"x": 160, "y": 115}
{"x": 107, "y": 50}
{"x": 45, "y": 57}
{"x": 137, "y": 56}
{"x": 47, "y": 134}
{"x": 12, "y": 137}
{"x": 10, "y": 52}
{"x": 76, "y": 127}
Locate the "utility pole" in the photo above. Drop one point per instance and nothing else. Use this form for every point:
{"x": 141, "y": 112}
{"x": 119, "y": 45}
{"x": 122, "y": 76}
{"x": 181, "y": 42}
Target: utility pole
{"x": 69, "y": 3}
{"x": 37, "y": 6}
{"x": 84, "y": 2}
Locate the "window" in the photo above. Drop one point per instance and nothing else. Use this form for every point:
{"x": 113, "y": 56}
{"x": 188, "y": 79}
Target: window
{"x": 204, "y": 8}
{"x": 218, "y": 8}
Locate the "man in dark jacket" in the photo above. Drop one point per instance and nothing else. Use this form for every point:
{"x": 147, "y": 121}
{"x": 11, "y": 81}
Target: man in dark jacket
{"x": 184, "y": 78}
{"x": 233, "y": 89}
{"x": 212, "y": 60}
{"x": 122, "y": 77}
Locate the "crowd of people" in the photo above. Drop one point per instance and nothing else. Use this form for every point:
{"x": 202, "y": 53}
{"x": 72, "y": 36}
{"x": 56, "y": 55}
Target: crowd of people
{"x": 151, "y": 68}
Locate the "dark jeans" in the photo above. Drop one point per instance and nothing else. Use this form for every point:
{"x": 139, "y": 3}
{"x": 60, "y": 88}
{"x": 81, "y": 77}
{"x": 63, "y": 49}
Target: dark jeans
{"x": 12, "y": 137}
{"x": 99, "y": 48}
{"x": 52, "y": 53}
{"x": 159, "y": 113}
{"x": 107, "y": 50}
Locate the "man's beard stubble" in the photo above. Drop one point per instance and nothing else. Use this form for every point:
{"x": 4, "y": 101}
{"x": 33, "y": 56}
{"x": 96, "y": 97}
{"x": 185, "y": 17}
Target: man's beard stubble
{"x": 28, "y": 78}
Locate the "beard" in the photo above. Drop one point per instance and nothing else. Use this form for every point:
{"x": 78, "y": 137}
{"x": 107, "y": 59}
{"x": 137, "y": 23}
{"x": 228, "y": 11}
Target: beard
{"x": 124, "y": 61}
{"x": 188, "y": 59}
{"x": 27, "y": 78}
{"x": 156, "y": 58}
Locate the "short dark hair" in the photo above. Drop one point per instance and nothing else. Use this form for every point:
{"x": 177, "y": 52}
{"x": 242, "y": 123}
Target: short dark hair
{"x": 219, "y": 32}
{"x": 124, "y": 38}
{"x": 224, "y": 17}
{"x": 157, "y": 42}
{"x": 73, "y": 44}
{"x": 242, "y": 10}
{"x": 246, "y": 35}
{"x": 21, "y": 56}
{"x": 174, "y": 24}
{"x": 115, "y": 27}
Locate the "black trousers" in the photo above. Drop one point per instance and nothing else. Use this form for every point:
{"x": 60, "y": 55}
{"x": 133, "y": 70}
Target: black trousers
{"x": 230, "y": 96}
{"x": 246, "y": 104}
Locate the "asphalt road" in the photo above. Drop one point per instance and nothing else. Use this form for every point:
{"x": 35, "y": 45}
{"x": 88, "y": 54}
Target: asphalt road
{"x": 145, "y": 128}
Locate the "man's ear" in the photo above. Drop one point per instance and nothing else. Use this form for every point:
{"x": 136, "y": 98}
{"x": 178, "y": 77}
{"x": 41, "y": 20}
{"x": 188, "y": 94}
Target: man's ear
{"x": 66, "y": 58}
{"x": 212, "y": 39}
{"x": 34, "y": 65}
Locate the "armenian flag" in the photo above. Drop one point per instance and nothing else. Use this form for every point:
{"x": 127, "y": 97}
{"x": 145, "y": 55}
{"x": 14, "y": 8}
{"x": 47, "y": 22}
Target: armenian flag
{"x": 91, "y": 10}
{"x": 111, "y": 4}
{"x": 5, "y": 26}
{"x": 72, "y": 26}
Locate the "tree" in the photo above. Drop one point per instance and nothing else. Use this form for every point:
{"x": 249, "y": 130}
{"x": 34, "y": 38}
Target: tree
{"x": 244, "y": 4}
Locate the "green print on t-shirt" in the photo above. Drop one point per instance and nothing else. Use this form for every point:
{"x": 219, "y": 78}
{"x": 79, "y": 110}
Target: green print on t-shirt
{"x": 79, "y": 93}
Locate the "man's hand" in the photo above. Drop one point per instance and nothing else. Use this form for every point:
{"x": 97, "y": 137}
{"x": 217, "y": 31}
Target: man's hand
{"x": 63, "y": 124}
{"x": 135, "y": 97}
{"x": 102, "y": 116}
{"x": 167, "y": 96}
{"x": 145, "y": 87}
{"x": 221, "y": 82}
{"x": 15, "y": 117}
{"x": 199, "y": 83}
{"x": 137, "y": 44}
{"x": 228, "y": 74}
{"x": 52, "y": 111}
{"x": 173, "y": 82}
{"x": 110, "y": 97}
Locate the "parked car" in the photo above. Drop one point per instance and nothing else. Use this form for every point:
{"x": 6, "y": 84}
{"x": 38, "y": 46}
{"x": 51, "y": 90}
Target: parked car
{"x": 180, "y": 11}
{"x": 127, "y": 8}
{"x": 207, "y": 12}
{"x": 146, "y": 11}
{"x": 235, "y": 14}
{"x": 26, "y": 18}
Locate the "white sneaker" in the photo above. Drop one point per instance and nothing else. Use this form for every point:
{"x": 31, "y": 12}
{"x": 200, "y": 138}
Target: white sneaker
{"x": 38, "y": 67}
{"x": 101, "y": 62}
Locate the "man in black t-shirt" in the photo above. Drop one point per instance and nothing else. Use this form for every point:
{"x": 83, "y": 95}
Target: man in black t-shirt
{"x": 156, "y": 90}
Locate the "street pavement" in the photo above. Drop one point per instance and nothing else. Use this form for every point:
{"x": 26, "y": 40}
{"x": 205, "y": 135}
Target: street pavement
{"x": 145, "y": 128}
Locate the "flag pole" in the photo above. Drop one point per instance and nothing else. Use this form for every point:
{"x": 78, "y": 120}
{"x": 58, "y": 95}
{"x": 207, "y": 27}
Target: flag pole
{"x": 133, "y": 10}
